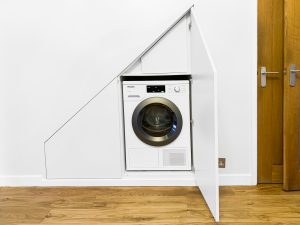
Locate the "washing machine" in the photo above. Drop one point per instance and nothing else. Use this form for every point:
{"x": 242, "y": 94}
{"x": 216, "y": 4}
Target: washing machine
{"x": 157, "y": 124}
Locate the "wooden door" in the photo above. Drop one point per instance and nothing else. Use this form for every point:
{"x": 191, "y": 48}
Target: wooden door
{"x": 270, "y": 97}
{"x": 292, "y": 96}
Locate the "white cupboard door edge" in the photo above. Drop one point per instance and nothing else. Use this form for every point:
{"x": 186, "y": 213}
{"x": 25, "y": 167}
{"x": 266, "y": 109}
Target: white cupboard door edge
{"x": 205, "y": 119}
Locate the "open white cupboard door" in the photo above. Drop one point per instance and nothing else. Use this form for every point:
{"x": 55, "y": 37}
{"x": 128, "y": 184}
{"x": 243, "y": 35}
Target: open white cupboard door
{"x": 204, "y": 115}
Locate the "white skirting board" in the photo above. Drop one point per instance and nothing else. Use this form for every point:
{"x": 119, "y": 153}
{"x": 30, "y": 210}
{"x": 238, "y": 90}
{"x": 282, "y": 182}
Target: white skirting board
{"x": 237, "y": 179}
{"x": 185, "y": 180}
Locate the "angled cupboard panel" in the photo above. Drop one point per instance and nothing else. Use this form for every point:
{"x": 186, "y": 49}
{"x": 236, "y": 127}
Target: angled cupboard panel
{"x": 169, "y": 55}
{"x": 89, "y": 145}
{"x": 204, "y": 115}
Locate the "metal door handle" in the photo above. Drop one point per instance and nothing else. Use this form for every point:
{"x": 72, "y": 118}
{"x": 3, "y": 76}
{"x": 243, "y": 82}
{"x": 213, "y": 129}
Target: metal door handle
{"x": 263, "y": 76}
{"x": 293, "y": 72}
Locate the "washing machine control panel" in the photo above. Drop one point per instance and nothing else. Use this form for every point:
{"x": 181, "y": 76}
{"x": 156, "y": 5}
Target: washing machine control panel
{"x": 137, "y": 91}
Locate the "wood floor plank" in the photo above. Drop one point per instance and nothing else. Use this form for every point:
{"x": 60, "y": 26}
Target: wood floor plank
{"x": 240, "y": 205}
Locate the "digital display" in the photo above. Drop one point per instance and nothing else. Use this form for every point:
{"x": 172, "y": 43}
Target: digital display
{"x": 156, "y": 89}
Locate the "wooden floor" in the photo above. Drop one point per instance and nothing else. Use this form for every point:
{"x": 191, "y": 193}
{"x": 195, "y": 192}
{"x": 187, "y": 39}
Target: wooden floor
{"x": 264, "y": 205}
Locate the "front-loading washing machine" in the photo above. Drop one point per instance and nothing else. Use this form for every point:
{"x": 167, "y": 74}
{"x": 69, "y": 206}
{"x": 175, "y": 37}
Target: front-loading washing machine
{"x": 157, "y": 124}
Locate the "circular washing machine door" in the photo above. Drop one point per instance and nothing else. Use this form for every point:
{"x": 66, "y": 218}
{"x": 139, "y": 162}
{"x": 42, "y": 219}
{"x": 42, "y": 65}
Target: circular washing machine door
{"x": 157, "y": 121}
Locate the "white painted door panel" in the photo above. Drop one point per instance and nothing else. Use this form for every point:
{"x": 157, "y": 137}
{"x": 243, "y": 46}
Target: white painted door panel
{"x": 89, "y": 145}
{"x": 204, "y": 115}
{"x": 170, "y": 53}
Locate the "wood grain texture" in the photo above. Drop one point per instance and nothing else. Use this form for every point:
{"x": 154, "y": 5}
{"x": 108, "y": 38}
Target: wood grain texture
{"x": 270, "y": 98}
{"x": 291, "y": 97}
{"x": 277, "y": 174}
{"x": 263, "y": 204}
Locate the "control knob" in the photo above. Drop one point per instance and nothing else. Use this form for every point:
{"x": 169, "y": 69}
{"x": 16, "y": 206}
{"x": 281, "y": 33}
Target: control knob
{"x": 177, "y": 89}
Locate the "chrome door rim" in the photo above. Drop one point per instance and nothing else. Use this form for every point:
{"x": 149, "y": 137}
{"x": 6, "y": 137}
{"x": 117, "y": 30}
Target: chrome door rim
{"x": 151, "y": 140}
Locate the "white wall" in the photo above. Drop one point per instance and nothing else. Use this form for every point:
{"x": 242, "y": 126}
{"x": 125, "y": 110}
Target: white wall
{"x": 230, "y": 28}
{"x": 55, "y": 55}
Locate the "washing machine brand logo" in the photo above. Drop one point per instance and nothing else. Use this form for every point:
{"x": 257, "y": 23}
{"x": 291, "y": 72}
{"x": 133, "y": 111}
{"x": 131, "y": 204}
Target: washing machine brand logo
{"x": 131, "y": 86}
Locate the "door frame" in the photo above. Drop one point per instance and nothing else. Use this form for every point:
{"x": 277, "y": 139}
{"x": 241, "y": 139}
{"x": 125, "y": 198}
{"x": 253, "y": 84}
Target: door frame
{"x": 254, "y": 102}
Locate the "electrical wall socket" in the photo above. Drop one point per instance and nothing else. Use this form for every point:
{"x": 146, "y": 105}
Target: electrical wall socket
{"x": 222, "y": 162}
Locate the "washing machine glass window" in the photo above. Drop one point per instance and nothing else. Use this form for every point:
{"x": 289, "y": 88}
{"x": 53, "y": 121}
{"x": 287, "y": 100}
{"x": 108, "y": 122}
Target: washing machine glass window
{"x": 157, "y": 121}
